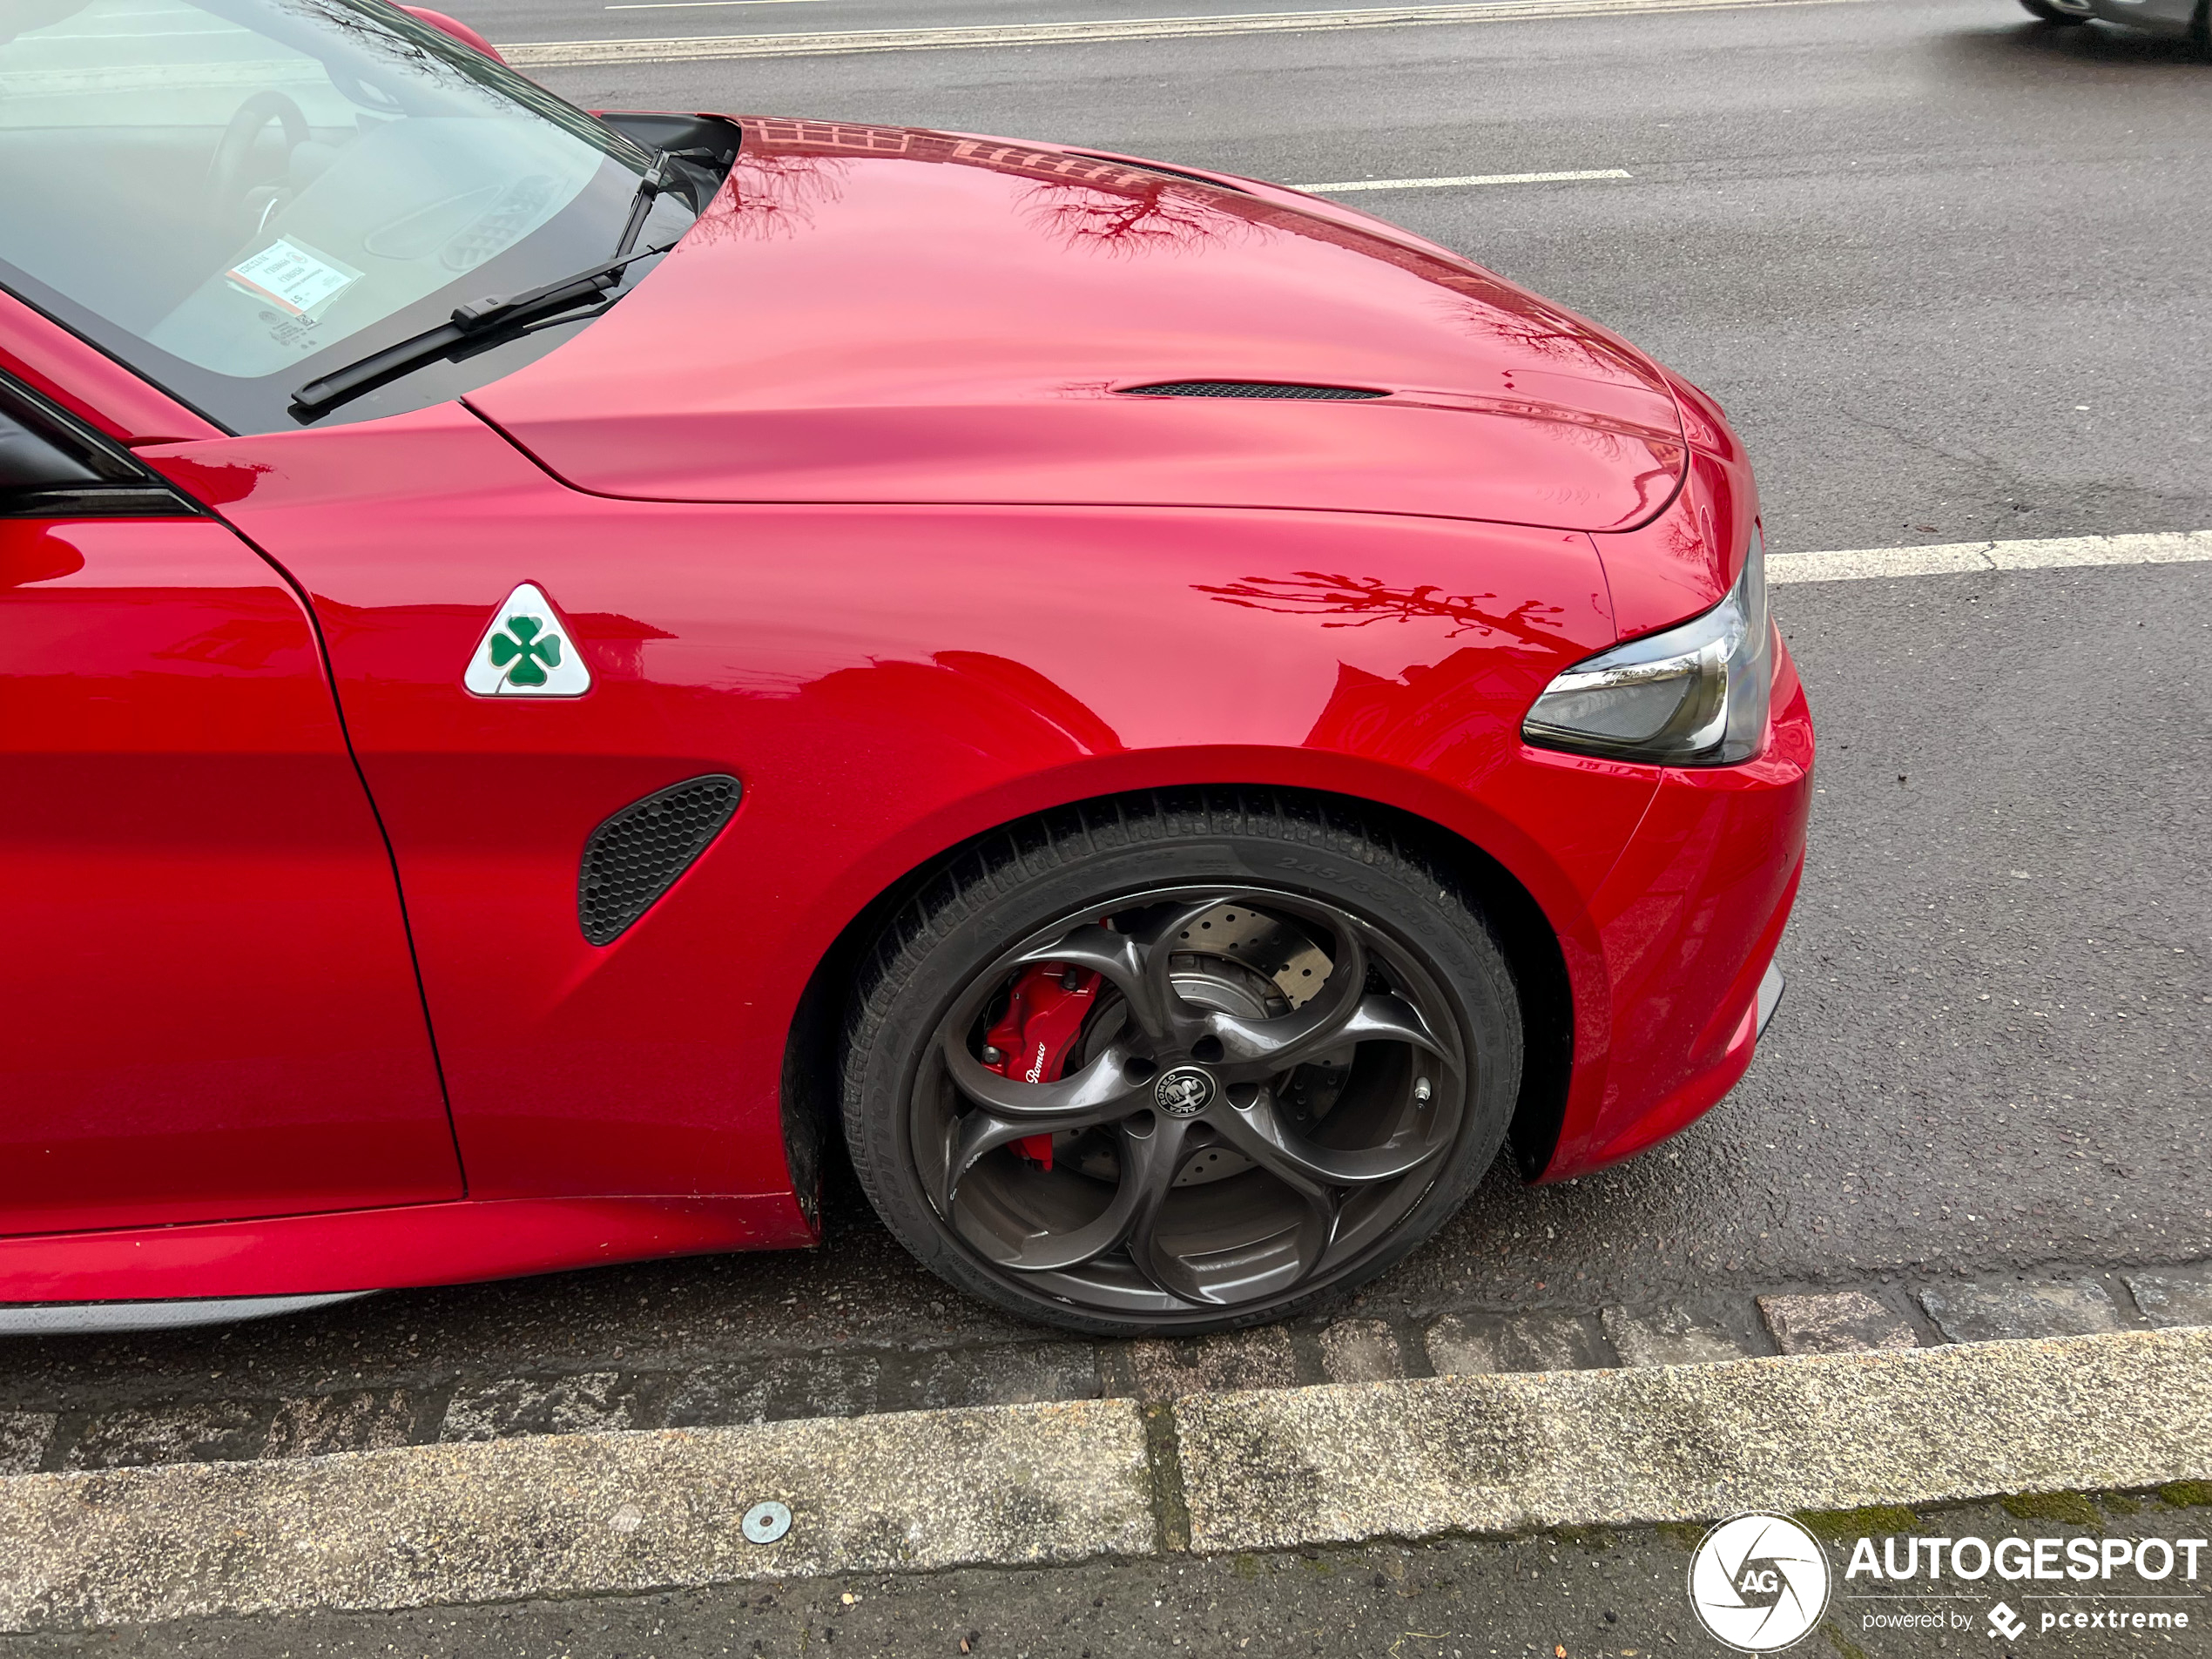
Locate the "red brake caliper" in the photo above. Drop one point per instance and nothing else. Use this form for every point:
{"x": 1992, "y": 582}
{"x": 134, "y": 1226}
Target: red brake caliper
{"x": 1044, "y": 1015}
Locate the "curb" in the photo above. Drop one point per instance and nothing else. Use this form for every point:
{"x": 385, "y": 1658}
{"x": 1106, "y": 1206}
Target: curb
{"x": 1696, "y": 1443}
{"x": 557, "y": 1516}
{"x": 567, "y": 1514}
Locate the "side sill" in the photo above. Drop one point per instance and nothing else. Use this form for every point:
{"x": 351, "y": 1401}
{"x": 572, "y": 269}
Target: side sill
{"x": 72, "y": 1318}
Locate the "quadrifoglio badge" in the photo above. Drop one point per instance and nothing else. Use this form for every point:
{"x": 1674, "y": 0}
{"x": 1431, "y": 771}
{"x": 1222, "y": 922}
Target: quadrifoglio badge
{"x": 1760, "y": 1583}
{"x": 525, "y": 651}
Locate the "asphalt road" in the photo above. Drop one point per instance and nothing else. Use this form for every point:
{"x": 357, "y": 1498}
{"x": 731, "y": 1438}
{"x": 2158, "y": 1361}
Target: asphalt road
{"x": 1945, "y": 271}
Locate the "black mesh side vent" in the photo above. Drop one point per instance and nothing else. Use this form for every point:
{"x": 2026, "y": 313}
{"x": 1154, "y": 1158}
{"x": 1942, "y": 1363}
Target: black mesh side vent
{"x": 636, "y": 855}
{"x": 1244, "y": 388}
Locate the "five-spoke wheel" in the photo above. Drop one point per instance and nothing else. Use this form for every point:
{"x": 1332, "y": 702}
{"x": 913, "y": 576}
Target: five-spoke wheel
{"x": 1192, "y": 1103}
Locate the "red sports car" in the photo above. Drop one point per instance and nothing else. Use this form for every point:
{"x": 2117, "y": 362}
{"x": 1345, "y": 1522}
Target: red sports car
{"x": 550, "y": 663}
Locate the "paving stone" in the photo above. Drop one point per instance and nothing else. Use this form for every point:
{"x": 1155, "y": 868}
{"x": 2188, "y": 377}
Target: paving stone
{"x": 1844, "y": 1322}
{"x": 1010, "y": 1376}
{"x": 576, "y": 1404}
{"x": 23, "y": 1437}
{"x": 1361, "y": 1351}
{"x": 1259, "y": 1359}
{"x": 2174, "y": 1296}
{"x": 214, "y": 1431}
{"x": 1671, "y": 1337}
{"x": 2010, "y": 1312}
{"x": 1471, "y": 1345}
{"x": 320, "y": 1424}
{"x": 774, "y": 1391}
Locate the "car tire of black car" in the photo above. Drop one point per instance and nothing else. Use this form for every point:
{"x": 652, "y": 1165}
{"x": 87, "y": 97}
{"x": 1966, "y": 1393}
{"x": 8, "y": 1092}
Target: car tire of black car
{"x": 2050, "y": 13}
{"x": 1430, "y": 1081}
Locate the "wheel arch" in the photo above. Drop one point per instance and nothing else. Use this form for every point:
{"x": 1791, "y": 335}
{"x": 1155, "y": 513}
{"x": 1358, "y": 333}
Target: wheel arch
{"x": 1532, "y": 949}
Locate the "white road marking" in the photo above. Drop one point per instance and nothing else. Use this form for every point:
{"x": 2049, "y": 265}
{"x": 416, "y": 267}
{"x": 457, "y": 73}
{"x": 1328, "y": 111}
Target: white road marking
{"x": 558, "y": 54}
{"x": 1469, "y": 179}
{"x": 1860, "y": 565}
{"x": 700, "y": 5}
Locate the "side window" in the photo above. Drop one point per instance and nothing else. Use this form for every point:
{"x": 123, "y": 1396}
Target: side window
{"x": 53, "y": 466}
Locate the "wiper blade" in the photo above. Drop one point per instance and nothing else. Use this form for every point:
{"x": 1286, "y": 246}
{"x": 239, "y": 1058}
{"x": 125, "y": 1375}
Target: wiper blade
{"x": 485, "y": 318}
{"x": 479, "y": 320}
{"x": 648, "y": 190}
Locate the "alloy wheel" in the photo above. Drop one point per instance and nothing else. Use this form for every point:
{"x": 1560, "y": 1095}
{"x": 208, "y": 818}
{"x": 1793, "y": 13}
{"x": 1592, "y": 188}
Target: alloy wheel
{"x": 1200, "y": 1100}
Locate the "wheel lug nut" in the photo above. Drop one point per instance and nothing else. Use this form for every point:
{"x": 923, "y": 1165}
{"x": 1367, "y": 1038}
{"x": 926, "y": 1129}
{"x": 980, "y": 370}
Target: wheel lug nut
{"x": 992, "y": 1056}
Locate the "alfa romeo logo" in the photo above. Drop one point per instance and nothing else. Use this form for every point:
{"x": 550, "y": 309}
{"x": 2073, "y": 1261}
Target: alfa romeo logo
{"x": 1183, "y": 1092}
{"x": 1758, "y": 1582}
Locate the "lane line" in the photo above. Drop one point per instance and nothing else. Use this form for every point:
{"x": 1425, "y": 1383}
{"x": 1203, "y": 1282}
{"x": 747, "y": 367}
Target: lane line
{"x": 701, "y": 5}
{"x": 2063, "y": 552}
{"x": 561, "y": 54}
{"x": 1467, "y": 178}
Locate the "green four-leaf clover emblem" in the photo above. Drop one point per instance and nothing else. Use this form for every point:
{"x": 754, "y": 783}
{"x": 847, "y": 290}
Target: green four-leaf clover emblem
{"x": 529, "y": 647}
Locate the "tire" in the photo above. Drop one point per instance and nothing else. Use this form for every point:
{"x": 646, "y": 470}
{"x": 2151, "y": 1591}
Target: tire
{"x": 1250, "y": 1121}
{"x": 2050, "y": 13}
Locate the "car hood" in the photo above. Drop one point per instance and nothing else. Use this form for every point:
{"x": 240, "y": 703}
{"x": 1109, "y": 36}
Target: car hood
{"x": 885, "y": 314}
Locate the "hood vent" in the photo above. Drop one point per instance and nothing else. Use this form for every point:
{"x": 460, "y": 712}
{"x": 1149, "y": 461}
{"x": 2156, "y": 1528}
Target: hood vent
{"x": 1244, "y": 388}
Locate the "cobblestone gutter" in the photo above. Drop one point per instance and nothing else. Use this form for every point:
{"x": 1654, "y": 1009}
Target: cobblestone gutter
{"x": 864, "y": 1380}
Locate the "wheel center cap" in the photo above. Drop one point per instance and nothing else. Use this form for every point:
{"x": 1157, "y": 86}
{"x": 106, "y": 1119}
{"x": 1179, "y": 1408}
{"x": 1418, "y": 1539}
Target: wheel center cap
{"x": 1183, "y": 1092}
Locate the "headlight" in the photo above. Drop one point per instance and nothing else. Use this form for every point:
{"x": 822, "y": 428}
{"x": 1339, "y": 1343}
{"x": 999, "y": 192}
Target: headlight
{"x": 1693, "y": 696}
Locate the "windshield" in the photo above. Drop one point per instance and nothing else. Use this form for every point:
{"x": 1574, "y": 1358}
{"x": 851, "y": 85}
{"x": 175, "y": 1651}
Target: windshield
{"x": 235, "y": 195}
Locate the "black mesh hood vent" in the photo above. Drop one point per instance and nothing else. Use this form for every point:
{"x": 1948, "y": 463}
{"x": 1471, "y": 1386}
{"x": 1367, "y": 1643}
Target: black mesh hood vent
{"x": 636, "y": 855}
{"x": 1244, "y": 388}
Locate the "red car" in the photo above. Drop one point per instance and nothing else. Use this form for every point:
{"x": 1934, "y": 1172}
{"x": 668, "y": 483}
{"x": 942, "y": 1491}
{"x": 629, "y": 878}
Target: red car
{"x": 549, "y": 663}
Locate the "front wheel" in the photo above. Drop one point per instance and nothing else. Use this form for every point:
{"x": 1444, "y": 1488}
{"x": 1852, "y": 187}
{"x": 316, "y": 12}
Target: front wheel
{"x": 1173, "y": 1065}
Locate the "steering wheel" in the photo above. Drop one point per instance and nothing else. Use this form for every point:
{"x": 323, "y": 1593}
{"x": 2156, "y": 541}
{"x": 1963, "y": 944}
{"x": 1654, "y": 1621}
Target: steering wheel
{"x": 227, "y": 181}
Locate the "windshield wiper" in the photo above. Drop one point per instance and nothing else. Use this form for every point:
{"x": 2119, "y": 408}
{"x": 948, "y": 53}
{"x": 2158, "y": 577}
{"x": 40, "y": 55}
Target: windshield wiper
{"x": 486, "y": 319}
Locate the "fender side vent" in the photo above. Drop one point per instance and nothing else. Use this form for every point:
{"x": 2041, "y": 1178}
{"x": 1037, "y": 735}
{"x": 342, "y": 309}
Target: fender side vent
{"x": 1244, "y": 388}
{"x": 636, "y": 855}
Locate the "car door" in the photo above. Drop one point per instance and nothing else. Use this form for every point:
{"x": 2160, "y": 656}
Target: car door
{"x": 209, "y": 1004}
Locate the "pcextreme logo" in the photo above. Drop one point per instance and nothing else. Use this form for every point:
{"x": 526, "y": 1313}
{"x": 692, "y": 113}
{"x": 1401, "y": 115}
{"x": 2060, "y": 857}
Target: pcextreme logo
{"x": 1758, "y": 1582}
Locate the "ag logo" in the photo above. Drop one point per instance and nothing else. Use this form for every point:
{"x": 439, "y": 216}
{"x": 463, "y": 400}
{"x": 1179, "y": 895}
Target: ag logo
{"x": 1183, "y": 1092}
{"x": 527, "y": 652}
{"x": 1758, "y": 1582}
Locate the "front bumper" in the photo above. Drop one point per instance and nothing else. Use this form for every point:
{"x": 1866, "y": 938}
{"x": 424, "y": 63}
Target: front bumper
{"x": 1670, "y": 1004}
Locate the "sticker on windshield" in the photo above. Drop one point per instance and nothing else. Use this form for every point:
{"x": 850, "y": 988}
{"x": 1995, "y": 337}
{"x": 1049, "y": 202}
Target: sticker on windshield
{"x": 292, "y": 276}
